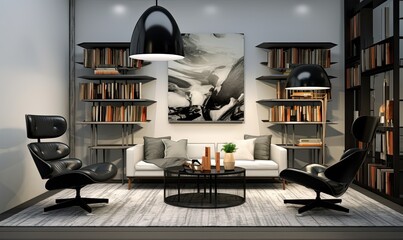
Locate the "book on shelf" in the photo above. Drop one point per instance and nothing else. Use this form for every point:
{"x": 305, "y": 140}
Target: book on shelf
{"x": 355, "y": 26}
{"x": 376, "y": 56}
{"x": 384, "y": 144}
{"x": 281, "y": 92}
{"x": 309, "y": 94}
{"x": 118, "y": 57}
{"x": 389, "y": 182}
{"x": 301, "y": 94}
{"x": 109, "y": 113}
{"x": 389, "y": 142}
{"x": 106, "y": 71}
{"x": 372, "y": 168}
{"x": 380, "y": 177}
{"x": 383, "y": 185}
{"x": 353, "y": 76}
{"x": 285, "y": 57}
{"x": 110, "y": 90}
{"x": 281, "y": 113}
{"x": 309, "y": 142}
{"x": 380, "y": 145}
{"x": 382, "y": 23}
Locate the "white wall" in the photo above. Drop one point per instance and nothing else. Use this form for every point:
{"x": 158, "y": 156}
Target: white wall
{"x": 34, "y": 79}
{"x": 259, "y": 20}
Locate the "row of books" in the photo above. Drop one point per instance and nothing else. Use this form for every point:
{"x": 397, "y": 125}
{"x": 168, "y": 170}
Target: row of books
{"x": 376, "y": 56}
{"x": 355, "y": 26}
{"x": 284, "y": 58}
{"x": 282, "y": 113}
{"x": 382, "y": 21}
{"x": 281, "y": 92}
{"x": 384, "y": 144}
{"x": 110, "y": 90}
{"x": 118, "y": 57}
{"x": 380, "y": 178}
{"x": 353, "y": 76}
{"x": 109, "y": 113}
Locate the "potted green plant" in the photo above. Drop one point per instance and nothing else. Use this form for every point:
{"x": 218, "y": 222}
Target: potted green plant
{"x": 229, "y": 160}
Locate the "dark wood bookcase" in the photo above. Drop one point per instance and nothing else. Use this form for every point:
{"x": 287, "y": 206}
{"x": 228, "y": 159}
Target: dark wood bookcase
{"x": 112, "y": 99}
{"x": 373, "y": 83}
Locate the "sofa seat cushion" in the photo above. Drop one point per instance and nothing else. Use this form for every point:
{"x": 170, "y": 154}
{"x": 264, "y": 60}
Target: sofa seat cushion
{"x": 247, "y": 164}
{"x": 144, "y": 166}
{"x": 256, "y": 164}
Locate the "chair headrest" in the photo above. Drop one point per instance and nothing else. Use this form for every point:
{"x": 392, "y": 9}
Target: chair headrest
{"x": 45, "y": 126}
{"x": 364, "y": 128}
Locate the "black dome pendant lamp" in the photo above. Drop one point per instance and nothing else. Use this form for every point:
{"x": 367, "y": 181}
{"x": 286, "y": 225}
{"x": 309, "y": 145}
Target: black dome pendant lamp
{"x": 156, "y": 36}
{"x": 308, "y": 77}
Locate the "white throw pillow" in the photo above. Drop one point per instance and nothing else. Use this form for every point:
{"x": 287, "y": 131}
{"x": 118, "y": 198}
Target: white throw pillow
{"x": 245, "y": 149}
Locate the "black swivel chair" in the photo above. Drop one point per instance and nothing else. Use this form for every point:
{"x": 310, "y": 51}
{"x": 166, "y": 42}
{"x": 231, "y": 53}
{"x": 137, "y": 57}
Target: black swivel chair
{"x": 336, "y": 179}
{"x": 52, "y": 163}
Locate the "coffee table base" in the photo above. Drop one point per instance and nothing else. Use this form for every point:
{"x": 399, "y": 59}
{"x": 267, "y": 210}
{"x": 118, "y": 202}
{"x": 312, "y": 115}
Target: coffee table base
{"x": 201, "y": 200}
{"x": 204, "y": 189}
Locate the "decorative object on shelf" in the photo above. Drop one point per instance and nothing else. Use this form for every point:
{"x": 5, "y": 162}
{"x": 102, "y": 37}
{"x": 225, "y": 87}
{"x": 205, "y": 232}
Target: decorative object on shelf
{"x": 229, "y": 160}
{"x": 207, "y": 86}
{"x": 217, "y": 161}
{"x": 156, "y": 36}
{"x": 194, "y": 165}
{"x": 206, "y": 159}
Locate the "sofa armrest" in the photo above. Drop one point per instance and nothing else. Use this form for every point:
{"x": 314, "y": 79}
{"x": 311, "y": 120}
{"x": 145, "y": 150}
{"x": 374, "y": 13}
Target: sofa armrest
{"x": 133, "y": 155}
{"x": 279, "y": 155}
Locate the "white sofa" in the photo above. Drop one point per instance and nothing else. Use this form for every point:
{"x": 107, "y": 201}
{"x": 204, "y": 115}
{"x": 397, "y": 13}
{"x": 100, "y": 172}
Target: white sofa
{"x": 136, "y": 167}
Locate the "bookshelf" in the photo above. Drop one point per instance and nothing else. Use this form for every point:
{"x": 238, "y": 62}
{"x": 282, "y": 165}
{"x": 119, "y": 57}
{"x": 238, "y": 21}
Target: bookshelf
{"x": 291, "y": 109}
{"x": 112, "y": 96}
{"x": 373, "y": 84}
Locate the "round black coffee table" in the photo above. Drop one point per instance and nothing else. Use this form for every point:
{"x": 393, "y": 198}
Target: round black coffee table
{"x": 204, "y": 189}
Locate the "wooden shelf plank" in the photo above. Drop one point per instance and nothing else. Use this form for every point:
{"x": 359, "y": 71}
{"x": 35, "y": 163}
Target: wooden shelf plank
{"x": 140, "y": 78}
{"x": 315, "y": 45}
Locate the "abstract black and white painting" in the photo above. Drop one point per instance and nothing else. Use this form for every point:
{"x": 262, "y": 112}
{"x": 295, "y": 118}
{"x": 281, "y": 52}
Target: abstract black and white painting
{"x": 208, "y": 84}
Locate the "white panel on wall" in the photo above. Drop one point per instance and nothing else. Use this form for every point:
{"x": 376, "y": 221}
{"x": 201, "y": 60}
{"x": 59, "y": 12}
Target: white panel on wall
{"x": 259, "y": 20}
{"x": 34, "y": 78}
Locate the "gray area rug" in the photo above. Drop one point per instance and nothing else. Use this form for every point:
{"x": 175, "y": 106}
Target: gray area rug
{"x": 144, "y": 206}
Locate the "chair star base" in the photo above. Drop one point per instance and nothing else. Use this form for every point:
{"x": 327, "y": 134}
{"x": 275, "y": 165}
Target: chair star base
{"x": 76, "y": 201}
{"x": 317, "y": 202}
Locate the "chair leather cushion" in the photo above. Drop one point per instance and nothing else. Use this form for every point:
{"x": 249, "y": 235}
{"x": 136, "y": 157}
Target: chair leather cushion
{"x": 45, "y": 126}
{"x": 99, "y": 172}
{"x": 314, "y": 179}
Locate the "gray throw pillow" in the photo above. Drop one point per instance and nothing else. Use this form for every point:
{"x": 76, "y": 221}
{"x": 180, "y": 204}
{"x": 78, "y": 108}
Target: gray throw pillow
{"x": 262, "y": 146}
{"x": 154, "y": 147}
{"x": 175, "y": 149}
